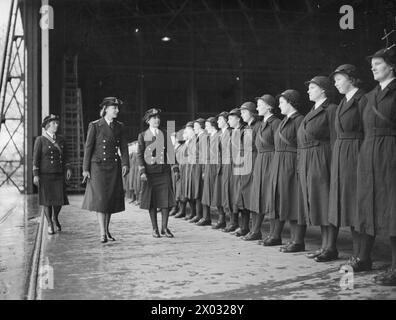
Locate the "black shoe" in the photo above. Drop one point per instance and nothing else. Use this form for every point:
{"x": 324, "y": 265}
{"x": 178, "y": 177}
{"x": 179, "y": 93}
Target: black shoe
{"x": 357, "y": 265}
{"x": 180, "y": 215}
{"x": 294, "y": 247}
{"x": 167, "y": 233}
{"x": 314, "y": 254}
{"x": 272, "y": 242}
{"x": 219, "y": 225}
{"x": 110, "y": 237}
{"x": 241, "y": 233}
{"x": 252, "y": 236}
{"x": 58, "y": 226}
{"x": 281, "y": 249}
{"x": 327, "y": 255}
{"x": 195, "y": 219}
{"x": 204, "y": 222}
{"x": 231, "y": 228}
{"x": 261, "y": 242}
{"x": 103, "y": 239}
{"x": 156, "y": 234}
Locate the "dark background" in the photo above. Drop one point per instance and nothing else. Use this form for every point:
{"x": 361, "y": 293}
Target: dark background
{"x": 221, "y": 53}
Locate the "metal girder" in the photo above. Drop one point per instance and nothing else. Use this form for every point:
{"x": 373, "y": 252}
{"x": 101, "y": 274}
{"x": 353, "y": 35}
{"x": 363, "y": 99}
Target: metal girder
{"x": 245, "y": 9}
{"x": 12, "y": 102}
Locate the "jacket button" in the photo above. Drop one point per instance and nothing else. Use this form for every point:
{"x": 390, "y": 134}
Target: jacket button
{"x": 52, "y": 161}
{"x": 104, "y": 147}
{"x": 104, "y": 140}
{"x": 104, "y": 159}
{"x": 104, "y": 152}
{"x": 116, "y": 160}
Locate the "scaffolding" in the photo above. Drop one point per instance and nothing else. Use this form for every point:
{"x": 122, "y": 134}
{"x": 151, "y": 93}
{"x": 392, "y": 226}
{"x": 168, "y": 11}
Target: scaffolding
{"x": 12, "y": 104}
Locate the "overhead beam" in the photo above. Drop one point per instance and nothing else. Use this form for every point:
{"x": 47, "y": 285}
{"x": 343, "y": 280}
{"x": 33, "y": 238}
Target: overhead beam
{"x": 249, "y": 21}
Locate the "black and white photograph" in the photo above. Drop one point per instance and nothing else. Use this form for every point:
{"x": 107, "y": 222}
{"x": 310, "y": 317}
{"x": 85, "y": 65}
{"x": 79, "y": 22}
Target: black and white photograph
{"x": 214, "y": 151}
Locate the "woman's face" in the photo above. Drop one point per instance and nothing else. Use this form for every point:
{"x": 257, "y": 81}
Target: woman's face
{"x": 112, "y": 112}
{"x": 263, "y": 108}
{"x": 154, "y": 122}
{"x": 343, "y": 83}
{"x": 197, "y": 127}
{"x": 284, "y": 106}
{"x": 189, "y": 132}
{"x": 315, "y": 92}
{"x": 246, "y": 115}
{"x": 53, "y": 126}
{"x": 233, "y": 121}
{"x": 381, "y": 70}
{"x": 221, "y": 122}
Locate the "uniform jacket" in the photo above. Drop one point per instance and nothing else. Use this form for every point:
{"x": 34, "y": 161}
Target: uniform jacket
{"x": 49, "y": 156}
{"x": 152, "y": 155}
{"x": 103, "y": 143}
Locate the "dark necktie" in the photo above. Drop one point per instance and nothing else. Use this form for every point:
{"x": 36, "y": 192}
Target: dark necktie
{"x": 112, "y": 125}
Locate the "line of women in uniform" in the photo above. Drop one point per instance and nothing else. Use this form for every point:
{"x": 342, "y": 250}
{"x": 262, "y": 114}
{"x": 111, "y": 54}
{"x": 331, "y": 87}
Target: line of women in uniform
{"x": 334, "y": 167}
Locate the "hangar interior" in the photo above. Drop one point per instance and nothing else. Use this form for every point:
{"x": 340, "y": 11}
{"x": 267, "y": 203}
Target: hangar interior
{"x": 191, "y": 58}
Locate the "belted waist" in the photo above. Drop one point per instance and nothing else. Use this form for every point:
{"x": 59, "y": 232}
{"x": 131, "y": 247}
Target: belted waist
{"x": 381, "y": 132}
{"x": 287, "y": 149}
{"x": 350, "y": 135}
{"x": 312, "y": 144}
{"x": 264, "y": 150}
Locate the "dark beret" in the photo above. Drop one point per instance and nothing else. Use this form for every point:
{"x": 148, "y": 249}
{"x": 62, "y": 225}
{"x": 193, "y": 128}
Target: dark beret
{"x": 151, "y": 113}
{"x": 48, "y": 119}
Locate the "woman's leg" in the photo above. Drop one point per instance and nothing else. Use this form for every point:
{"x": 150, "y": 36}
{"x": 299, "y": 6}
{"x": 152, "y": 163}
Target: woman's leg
{"x": 278, "y": 228}
{"x": 57, "y": 210}
{"x": 48, "y": 216}
{"x": 324, "y": 234}
{"x": 355, "y": 242}
{"x": 164, "y": 229}
{"x": 332, "y": 238}
{"x": 366, "y": 246}
{"x": 153, "y": 218}
{"x": 102, "y": 223}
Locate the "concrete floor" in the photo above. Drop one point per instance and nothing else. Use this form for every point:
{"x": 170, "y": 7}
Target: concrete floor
{"x": 199, "y": 263}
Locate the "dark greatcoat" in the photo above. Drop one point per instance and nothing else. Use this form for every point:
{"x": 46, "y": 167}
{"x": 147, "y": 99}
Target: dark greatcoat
{"x": 225, "y": 174}
{"x": 154, "y": 160}
{"x": 235, "y": 180}
{"x": 343, "y": 177}
{"x": 197, "y": 169}
{"x": 212, "y": 181}
{"x": 50, "y": 160}
{"x": 286, "y": 189}
{"x": 376, "y": 184}
{"x": 176, "y": 184}
{"x": 249, "y": 156}
{"x": 185, "y": 174}
{"x": 316, "y": 136}
{"x": 104, "y": 192}
{"x": 261, "y": 194}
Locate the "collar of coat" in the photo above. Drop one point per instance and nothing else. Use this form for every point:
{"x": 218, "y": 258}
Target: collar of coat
{"x": 381, "y": 94}
{"x": 315, "y": 112}
{"x": 264, "y": 124}
{"x": 348, "y": 104}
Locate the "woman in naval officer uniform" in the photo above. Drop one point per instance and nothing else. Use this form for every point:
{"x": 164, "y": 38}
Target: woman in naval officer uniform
{"x": 104, "y": 193}
{"x": 49, "y": 164}
{"x": 155, "y": 172}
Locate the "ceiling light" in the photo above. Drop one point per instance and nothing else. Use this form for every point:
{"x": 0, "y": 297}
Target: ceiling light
{"x": 166, "y": 39}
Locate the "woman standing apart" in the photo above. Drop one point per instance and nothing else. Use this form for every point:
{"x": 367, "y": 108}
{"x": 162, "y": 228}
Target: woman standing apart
{"x": 49, "y": 164}
{"x": 316, "y": 136}
{"x": 104, "y": 193}
{"x": 155, "y": 172}
{"x": 376, "y": 184}
{"x": 343, "y": 177}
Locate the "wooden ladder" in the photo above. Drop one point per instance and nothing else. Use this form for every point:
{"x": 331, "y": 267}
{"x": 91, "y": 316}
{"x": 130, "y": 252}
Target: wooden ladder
{"x": 72, "y": 120}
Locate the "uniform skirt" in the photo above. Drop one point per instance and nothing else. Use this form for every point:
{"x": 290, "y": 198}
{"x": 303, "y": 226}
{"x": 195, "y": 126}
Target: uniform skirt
{"x": 211, "y": 186}
{"x": 246, "y": 184}
{"x": 261, "y": 195}
{"x": 235, "y": 190}
{"x": 52, "y": 190}
{"x": 226, "y": 196}
{"x": 157, "y": 191}
{"x": 343, "y": 183}
{"x": 104, "y": 192}
{"x": 286, "y": 189}
{"x": 376, "y": 186}
{"x": 197, "y": 181}
{"x": 314, "y": 173}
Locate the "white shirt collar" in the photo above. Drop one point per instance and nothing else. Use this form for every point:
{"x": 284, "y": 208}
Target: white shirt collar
{"x": 50, "y": 134}
{"x": 290, "y": 114}
{"x": 267, "y": 117}
{"x": 224, "y": 129}
{"x": 199, "y": 133}
{"x": 250, "y": 122}
{"x": 385, "y": 83}
{"x": 107, "y": 121}
{"x": 319, "y": 103}
{"x": 351, "y": 93}
{"x": 154, "y": 131}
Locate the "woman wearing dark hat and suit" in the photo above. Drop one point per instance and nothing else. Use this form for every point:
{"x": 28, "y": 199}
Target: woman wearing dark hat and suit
{"x": 104, "y": 193}
{"x": 49, "y": 164}
{"x": 316, "y": 137}
{"x": 249, "y": 154}
{"x": 155, "y": 172}
{"x": 223, "y": 197}
{"x": 343, "y": 179}
{"x": 212, "y": 183}
{"x": 201, "y": 143}
{"x": 261, "y": 195}
{"x": 284, "y": 179}
{"x": 178, "y": 142}
{"x": 376, "y": 173}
